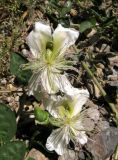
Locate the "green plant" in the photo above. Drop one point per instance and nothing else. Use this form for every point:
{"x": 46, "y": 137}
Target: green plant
{"x": 10, "y": 149}
{"x": 15, "y": 67}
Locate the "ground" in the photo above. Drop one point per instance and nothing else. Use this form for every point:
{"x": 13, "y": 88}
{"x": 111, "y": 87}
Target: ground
{"x": 96, "y": 49}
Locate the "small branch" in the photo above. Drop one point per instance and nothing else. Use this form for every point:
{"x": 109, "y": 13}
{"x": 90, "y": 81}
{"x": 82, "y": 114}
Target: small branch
{"x": 104, "y": 94}
{"x": 116, "y": 155}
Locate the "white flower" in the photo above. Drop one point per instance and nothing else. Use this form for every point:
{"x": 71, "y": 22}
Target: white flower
{"x": 68, "y": 113}
{"x": 47, "y": 57}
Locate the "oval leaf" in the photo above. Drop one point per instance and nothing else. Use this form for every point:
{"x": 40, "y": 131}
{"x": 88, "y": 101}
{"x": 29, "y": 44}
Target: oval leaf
{"x": 13, "y": 151}
{"x": 87, "y": 25}
{"x": 16, "y": 61}
{"x": 7, "y": 123}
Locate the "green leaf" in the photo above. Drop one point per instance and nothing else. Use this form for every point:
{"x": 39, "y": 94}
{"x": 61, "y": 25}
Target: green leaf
{"x": 87, "y": 25}
{"x": 13, "y": 151}
{"x": 41, "y": 115}
{"x": 66, "y": 8}
{"x": 7, "y": 123}
{"x": 15, "y": 68}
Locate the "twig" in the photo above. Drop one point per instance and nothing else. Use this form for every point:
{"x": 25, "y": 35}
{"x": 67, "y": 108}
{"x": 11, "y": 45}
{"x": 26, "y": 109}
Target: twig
{"x": 116, "y": 155}
{"x": 104, "y": 94}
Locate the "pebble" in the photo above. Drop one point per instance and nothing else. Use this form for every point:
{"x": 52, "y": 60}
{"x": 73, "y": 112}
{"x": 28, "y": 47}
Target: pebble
{"x": 100, "y": 65}
{"x": 104, "y": 143}
{"x": 9, "y": 99}
{"x": 105, "y": 48}
{"x": 4, "y": 81}
{"x": 20, "y": 89}
{"x": 17, "y": 98}
{"x": 11, "y": 87}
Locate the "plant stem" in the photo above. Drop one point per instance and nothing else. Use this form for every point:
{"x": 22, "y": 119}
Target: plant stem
{"x": 116, "y": 155}
{"x": 104, "y": 94}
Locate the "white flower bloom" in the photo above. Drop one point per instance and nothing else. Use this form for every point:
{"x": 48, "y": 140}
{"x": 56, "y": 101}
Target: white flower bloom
{"x": 47, "y": 57}
{"x": 68, "y": 112}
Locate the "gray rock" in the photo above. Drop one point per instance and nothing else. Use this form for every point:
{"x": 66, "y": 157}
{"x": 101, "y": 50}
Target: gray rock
{"x": 104, "y": 143}
{"x": 69, "y": 155}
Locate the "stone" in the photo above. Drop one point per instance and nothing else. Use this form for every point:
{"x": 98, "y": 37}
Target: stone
{"x": 104, "y": 143}
{"x": 36, "y": 155}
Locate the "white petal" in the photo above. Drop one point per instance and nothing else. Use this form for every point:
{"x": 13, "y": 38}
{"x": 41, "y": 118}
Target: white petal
{"x": 56, "y": 82}
{"x": 63, "y": 83}
{"x": 52, "y": 105}
{"x": 58, "y": 141}
{"x": 52, "y": 83}
{"x": 35, "y": 88}
{"x": 45, "y": 82}
{"x": 80, "y": 99}
{"x": 38, "y": 38}
{"x": 81, "y": 137}
{"x": 78, "y": 125}
{"x": 34, "y": 83}
{"x": 48, "y": 81}
{"x": 63, "y": 38}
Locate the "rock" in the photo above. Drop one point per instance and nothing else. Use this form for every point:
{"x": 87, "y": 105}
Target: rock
{"x": 88, "y": 124}
{"x": 100, "y": 65}
{"x": 93, "y": 31}
{"x": 105, "y": 48}
{"x": 93, "y": 113}
{"x": 36, "y": 155}
{"x": 99, "y": 72}
{"x": 104, "y": 143}
{"x": 11, "y": 88}
{"x": 20, "y": 89}
{"x": 113, "y": 61}
{"x": 8, "y": 99}
{"x": 17, "y": 98}
{"x": 82, "y": 155}
{"x": 102, "y": 125}
{"x": 91, "y": 104}
{"x": 3, "y": 81}
{"x": 113, "y": 77}
{"x": 113, "y": 83}
{"x": 70, "y": 155}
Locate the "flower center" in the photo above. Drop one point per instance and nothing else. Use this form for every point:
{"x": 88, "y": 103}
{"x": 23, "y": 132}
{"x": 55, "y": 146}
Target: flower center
{"x": 67, "y": 121}
{"x": 48, "y": 55}
{"x": 48, "y": 60}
